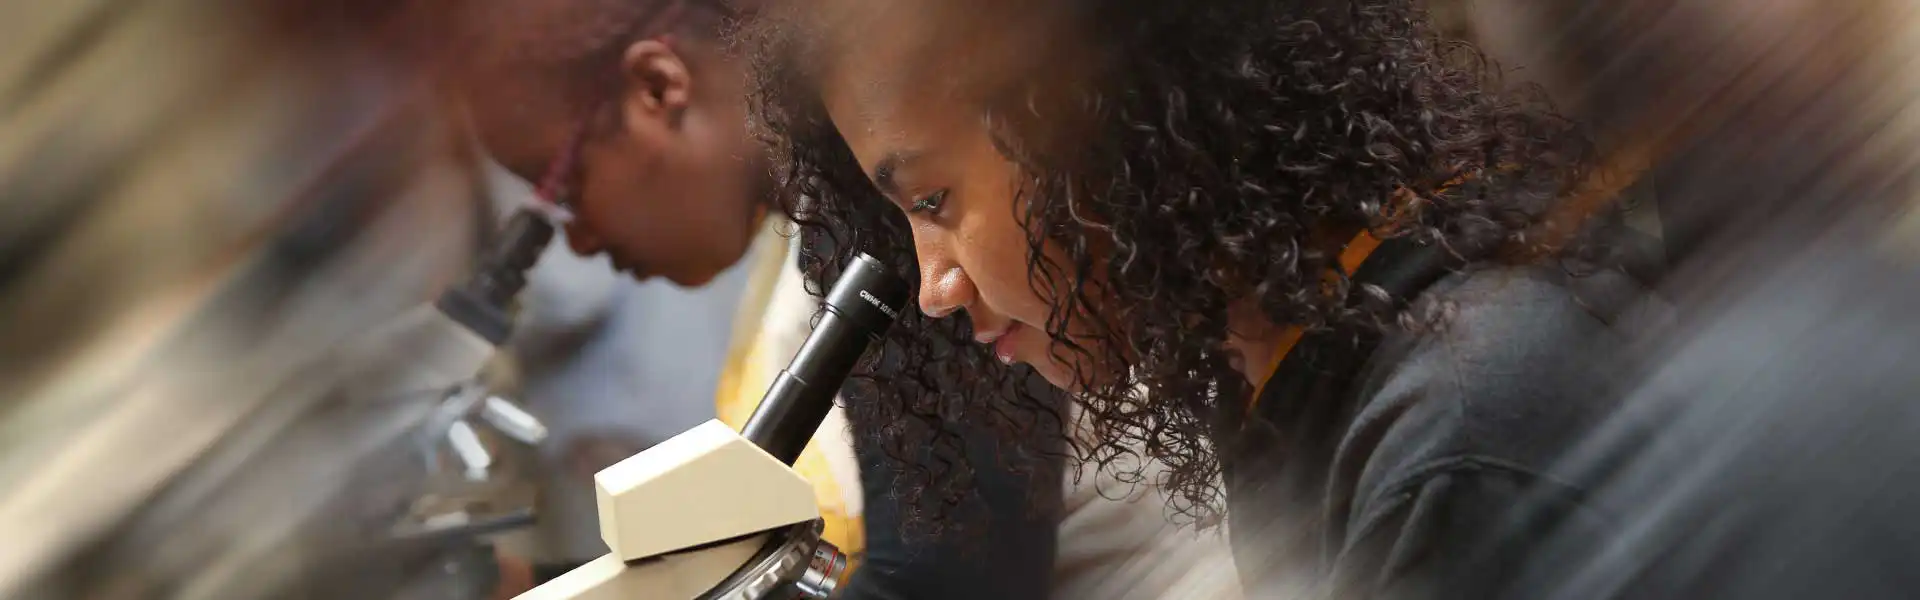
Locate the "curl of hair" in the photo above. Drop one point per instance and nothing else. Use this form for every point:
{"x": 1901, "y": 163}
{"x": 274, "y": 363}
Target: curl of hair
{"x": 1202, "y": 177}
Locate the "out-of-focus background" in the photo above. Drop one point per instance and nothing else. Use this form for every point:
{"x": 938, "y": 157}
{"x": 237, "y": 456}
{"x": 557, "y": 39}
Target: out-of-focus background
{"x": 212, "y": 210}
{"x": 219, "y": 215}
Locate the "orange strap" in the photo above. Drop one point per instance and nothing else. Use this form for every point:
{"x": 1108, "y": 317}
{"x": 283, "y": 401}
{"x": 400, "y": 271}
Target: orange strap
{"x": 1356, "y": 252}
{"x": 1621, "y": 169}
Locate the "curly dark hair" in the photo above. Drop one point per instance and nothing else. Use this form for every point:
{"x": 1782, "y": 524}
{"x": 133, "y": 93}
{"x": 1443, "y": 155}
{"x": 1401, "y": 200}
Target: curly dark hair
{"x": 1217, "y": 149}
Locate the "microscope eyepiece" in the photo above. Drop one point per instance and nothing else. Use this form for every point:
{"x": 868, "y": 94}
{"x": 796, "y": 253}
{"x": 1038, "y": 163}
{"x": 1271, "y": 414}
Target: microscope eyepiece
{"x": 484, "y": 302}
{"x": 869, "y": 294}
{"x": 863, "y": 303}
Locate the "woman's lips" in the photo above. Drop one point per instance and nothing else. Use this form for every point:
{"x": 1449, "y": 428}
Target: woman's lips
{"x": 1001, "y": 342}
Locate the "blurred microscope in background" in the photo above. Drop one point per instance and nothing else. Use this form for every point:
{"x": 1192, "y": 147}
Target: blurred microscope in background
{"x": 216, "y": 213}
{"x": 612, "y": 366}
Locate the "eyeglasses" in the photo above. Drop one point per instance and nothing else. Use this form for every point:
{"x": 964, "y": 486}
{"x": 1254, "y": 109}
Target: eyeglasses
{"x": 556, "y": 191}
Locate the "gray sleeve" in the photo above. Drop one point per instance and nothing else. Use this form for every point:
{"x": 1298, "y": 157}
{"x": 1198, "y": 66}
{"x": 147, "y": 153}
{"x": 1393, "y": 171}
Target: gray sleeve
{"x": 1458, "y": 423}
{"x": 1770, "y": 451}
{"x": 1465, "y": 533}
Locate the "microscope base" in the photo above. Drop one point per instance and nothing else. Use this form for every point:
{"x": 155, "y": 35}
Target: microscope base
{"x": 791, "y": 563}
{"x": 687, "y": 575}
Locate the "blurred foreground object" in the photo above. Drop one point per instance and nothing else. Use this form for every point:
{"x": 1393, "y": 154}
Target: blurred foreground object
{"x": 1767, "y": 446}
{"x": 206, "y": 212}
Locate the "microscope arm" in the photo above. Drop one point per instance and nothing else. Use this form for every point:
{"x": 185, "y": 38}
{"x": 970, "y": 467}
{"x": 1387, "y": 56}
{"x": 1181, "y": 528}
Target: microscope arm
{"x": 710, "y": 483}
{"x": 708, "y": 490}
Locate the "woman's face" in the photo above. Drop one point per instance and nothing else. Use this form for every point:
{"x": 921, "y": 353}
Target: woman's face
{"x": 929, "y": 151}
{"x": 673, "y": 187}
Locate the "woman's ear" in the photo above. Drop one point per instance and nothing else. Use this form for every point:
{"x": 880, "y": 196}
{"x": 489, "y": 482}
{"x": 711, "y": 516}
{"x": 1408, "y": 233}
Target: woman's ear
{"x": 659, "y": 85}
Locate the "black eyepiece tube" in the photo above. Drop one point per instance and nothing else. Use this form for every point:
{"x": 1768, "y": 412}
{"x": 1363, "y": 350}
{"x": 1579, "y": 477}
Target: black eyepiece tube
{"x": 863, "y": 303}
{"x": 484, "y": 302}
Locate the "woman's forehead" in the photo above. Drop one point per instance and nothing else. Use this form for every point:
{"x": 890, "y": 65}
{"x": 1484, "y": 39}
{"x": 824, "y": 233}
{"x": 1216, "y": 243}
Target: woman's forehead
{"x": 881, "y": 110}
{"x": 948, "y": 35}
{"x": 915, "y": 77}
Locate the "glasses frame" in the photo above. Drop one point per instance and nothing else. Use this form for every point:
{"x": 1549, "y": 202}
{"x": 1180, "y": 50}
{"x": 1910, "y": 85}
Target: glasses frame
{"x": 558, "y": 186}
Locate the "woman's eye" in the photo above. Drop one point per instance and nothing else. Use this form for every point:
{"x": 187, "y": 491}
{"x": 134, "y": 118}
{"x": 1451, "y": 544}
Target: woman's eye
{"x": 929, "y": 203}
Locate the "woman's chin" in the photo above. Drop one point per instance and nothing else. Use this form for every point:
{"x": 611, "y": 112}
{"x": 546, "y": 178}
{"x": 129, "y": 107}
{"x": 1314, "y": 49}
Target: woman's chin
{"x": 1061, "y": 382}
{"x": 693, "y": 280}
{"x": 1055, "y": 377}
{"x": 1060, "y": 377}
{"x": 695, "y": 275}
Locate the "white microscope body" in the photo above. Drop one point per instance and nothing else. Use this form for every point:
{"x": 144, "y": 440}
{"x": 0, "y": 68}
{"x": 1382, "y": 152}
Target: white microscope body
{"x": 683, "y": 517}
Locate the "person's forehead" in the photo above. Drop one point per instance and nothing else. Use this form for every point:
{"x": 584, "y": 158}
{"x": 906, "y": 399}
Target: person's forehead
{"x": 878, "y": 51}
{"x": 512, "y": 135}
{"x": 878, "y": 109}
{"x": 912, "y": 77}
{"x": 882, "y": 63}
{"x": 942, "y": 52}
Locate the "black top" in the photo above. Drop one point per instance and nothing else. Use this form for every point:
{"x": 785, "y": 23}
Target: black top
{"x": 1394, "y": 470}
{"x": 1400, "y": 470}
{"x": 1004, "y": 551}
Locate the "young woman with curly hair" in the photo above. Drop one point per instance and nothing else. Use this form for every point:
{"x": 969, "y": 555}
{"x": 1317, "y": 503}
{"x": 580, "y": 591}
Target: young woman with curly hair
{"x": 1301, "y": 252}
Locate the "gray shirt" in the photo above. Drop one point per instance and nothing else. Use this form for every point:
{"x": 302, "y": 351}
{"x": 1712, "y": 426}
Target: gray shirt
{"x": 1400, "y": 480}
{"x": 1767, "y": 449}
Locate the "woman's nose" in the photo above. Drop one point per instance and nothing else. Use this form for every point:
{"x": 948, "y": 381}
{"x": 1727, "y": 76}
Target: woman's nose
{"x": 944, "y": 288}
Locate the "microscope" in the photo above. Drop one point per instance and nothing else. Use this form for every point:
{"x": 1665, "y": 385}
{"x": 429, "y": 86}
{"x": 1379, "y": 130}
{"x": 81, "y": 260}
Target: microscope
{"x": 454, "y": 432}
{"x": 710, "y": 513}
{"x": 717, "y": 514}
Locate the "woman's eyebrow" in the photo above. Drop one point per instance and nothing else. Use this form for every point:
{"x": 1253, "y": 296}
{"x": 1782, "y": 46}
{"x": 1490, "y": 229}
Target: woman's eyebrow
{"x": 886, "y": 173}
